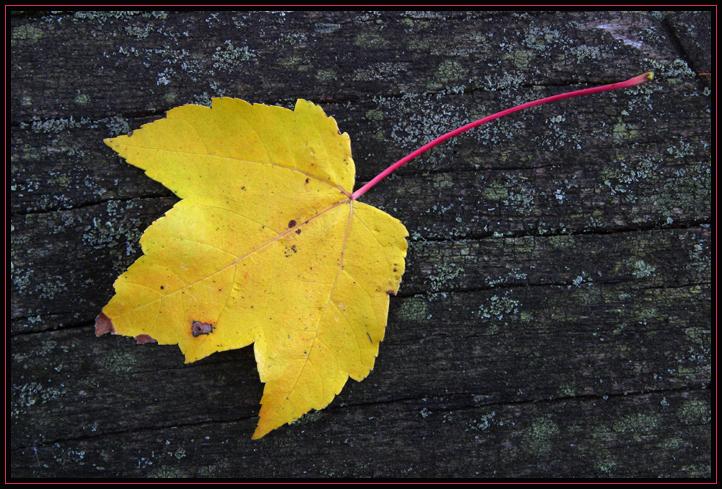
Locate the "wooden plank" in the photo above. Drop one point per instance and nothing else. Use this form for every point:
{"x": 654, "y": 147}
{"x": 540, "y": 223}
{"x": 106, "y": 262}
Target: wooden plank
{"x": 501, "y": 346}
{"x": 627, "y": 153}
{"x": 92, "y": 245}
{"x": 650, "y": 435}
{"x": 150, "y": 61}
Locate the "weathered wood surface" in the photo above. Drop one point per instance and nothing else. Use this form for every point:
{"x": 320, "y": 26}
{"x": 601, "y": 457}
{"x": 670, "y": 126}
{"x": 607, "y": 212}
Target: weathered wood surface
{"x": 555, "y": 316}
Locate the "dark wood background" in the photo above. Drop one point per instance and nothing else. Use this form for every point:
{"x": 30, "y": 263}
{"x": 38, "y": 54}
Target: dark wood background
{"x": 555, "y": 317}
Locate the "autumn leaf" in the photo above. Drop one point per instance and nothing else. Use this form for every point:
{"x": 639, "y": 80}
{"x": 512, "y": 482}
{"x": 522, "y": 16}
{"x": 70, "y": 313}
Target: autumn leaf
{"x": 268, "y": 246}
{"x": 265, "y": 247}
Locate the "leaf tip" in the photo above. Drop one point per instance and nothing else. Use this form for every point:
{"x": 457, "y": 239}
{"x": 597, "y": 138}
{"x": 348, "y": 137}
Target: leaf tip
{"x": 103, "y": 325}
{"x": 112, "y": 142}
{"x": 259, "y": 433}
{"x": 306, "y": 105}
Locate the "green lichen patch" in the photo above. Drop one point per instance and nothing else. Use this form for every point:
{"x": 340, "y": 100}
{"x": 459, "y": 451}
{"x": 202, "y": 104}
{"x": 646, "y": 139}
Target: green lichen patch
{"x": 522, "y": 197}
{"x": 382, "y": 71}
{"x": 443, "y": 181}
{"x": 450, "y": 70}
{"x": 606, "y": 465}
{"x": 561, "y": 242}
{"x": 295, "y": 62}
{"x": 103, "y": 16}
{"x": 515, "y": 275}
{"x": 118, "y": 362}
{"x": 499, "y": 307}
{"x": 228, "y": 56}
{"x": 642, "y": 269}
{"x": 636, "y": 425}
{"x": 495, "y": 191}
{"x": 695, "y": 412}
{"x": 539, "y": 437}
{"x": 586, "y": 53}
{"x": 541, "y": 38}
{"x": 624, "y": 132}
{"x": 26, "y": 396}
{"x": 82, "y": 99}
{"x": 374, "y": 115}
{"x": 326, "y": 74}
{"x": 167, "y": 472}
{"x": 443, "y": 276}
{"x": 483, "y": 423}
{"x": 697, "y": 471}
{"x": 413, "y": 309}
{"x": 520, "y": 57}
{"x": 370, "y": 40}
{"x": 139, "y": 32}
{"x": 623, "y": 179}
{"x": 26, "y": 32}
{"x": 418, "y": 117}
{"x": 672, "y": 443}
{"x": 698, "y": 335}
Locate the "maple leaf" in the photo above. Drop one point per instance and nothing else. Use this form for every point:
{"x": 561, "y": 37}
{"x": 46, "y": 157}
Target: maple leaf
{"x": 265, "y": 246}
{"x": 268, "y": 246}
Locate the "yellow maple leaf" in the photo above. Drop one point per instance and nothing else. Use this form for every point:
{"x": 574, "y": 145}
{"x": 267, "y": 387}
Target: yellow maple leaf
{"x": 266, "y": 247}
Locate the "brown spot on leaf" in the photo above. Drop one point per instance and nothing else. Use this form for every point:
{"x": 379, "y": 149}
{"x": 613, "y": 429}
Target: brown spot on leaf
{"x": 307, "y": 180}
{"x": 298, "y": 231}
{"x": 292, "y": 223}
{"x": 103, "y": 325}
{"x": 143, "y": 339}
{"x": 198, "y": 328}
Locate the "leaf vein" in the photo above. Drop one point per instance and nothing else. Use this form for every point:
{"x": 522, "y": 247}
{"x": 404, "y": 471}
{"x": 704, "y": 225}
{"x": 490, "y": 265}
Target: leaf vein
{"x": 258, "y": 248}
{"x": 328, "y": 299}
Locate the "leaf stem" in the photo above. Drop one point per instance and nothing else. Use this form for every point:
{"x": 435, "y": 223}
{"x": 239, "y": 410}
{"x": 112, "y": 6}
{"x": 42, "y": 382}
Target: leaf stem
{"x": 632, "y": 82}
